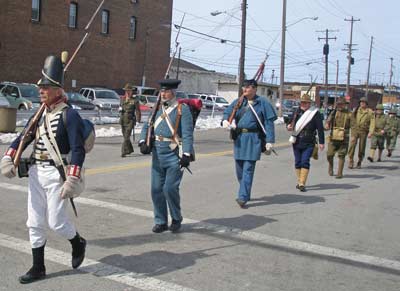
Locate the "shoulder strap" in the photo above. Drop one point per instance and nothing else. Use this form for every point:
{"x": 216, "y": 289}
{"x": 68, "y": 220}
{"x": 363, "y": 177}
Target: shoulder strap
{"x": 177, "y": 120}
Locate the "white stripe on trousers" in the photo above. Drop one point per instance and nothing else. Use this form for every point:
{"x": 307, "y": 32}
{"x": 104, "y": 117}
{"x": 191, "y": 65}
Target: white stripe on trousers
{"x": 45, "y": 206}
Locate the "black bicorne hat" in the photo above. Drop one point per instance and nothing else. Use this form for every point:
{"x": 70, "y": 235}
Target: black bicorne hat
{"x": 250, "y": 82}
{"x": 168, "y": 84}
{"x": 52, "y": 72}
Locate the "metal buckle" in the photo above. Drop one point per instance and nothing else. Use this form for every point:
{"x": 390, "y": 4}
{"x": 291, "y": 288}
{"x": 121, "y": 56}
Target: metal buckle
{"x": 245, "y": 130}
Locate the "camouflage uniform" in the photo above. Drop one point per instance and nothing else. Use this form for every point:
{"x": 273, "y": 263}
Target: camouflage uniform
{"x": 130, "y": 113}
{"x": 377, "y": 130}
{"x": 341, "y": 119}
{"x": 360, "y": 123}
{"x": 392, "y": 131}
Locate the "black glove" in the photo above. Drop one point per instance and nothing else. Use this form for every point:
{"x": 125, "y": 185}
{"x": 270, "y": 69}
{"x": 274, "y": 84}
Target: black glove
{"x": 144, "y": 148}
{"x": 185, "y": 161}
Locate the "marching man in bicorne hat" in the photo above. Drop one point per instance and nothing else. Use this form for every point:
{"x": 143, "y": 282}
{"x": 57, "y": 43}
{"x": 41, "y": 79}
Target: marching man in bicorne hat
{"x": 305, "y": 123}
{"x": 173, "y": 125}
{"x": 254, "y": 116}
{"x": 47, "y": 193}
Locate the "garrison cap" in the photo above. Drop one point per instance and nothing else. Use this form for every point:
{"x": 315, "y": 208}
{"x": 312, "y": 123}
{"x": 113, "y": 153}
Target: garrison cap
{"x": 168, "y": 84}
{"x": 340, "y": 100}
{"x": 130, "y": 87}
{"x": 363, "y": 99}
{"x": 379, "y": 107}
{"x": 52, "y": 72}
{"x": 250, "y": 82}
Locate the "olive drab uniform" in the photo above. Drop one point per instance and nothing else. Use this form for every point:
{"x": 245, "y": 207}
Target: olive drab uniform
{"x": 378, "y": 129}
{"x": 360, "y": 123}
{"x": 338, "y": 123}
{"x": 128, "y": 119}
{"x": 392, "y": 131}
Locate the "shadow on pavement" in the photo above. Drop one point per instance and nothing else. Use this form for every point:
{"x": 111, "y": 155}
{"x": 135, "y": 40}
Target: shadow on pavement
{"x": 389, "y": 168}
{"x": 365, "y": 176}
{"x": 331, "y": 186}
{"x": 134, "y": 240}
{"x": 285, "y": 199}
{"x": 244, "y": 222}
{"x": 155, "y": 263}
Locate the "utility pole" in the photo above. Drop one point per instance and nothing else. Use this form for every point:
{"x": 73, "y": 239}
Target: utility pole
{"x": 350, "y": 59}
{"x": 390, "y": 76}
{"x": 369, "y": 67}
{"x": 326, "y": 53}
{"x": 337, "y": 79}
{"x": 282, "y": 73}
{"x": 272, "y": 76}
{"x": 242, "y": 46}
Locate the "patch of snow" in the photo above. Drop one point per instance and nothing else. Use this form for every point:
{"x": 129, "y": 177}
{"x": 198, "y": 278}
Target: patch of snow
{"x": 279, "y": 121}
{"x": 6, "y": 138}
{"x": 104, "y": 120}
{"x": 208, "y": 122}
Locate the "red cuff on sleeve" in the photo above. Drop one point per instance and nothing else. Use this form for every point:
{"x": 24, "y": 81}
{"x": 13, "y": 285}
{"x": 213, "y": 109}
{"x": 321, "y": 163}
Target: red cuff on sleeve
{"x": 74, "y": 170}
{"x": 10, "y": 152}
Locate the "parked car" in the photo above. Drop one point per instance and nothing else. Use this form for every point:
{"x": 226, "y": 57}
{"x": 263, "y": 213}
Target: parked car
{"x": 148, "y": 100}
{"x": 77, "y": 101}
{"x": 102, "y": 98}
{"x": 289, "y": 106}
{"x": 181, "y": 95}
{"x": 3, "y": 101}
{"x": 218, "y": 102}
{"x": 22, "y": 96}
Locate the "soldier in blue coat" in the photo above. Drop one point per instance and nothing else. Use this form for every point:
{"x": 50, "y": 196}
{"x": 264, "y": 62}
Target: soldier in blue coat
{"x": 171, "y": 153}
{"x": 47, "y": 192}
{"x": 250, "y": 140}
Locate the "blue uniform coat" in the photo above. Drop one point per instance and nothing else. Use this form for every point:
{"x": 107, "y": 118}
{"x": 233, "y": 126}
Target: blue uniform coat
{"x": 248, "y": 145}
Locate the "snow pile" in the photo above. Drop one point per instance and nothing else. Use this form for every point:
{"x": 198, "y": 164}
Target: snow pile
{"x": 208, "y": 122}
{"x": 7, "y": 138}
{"x": 279, "y": 121}
{"x": 112, "y": 131}
{"x": 104, "y": 120}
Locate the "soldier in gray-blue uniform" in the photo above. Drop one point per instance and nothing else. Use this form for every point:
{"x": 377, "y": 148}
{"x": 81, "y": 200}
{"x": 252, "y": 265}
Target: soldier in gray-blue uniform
{"x": 170, "y": 155}
{"x": 251, "y": 140}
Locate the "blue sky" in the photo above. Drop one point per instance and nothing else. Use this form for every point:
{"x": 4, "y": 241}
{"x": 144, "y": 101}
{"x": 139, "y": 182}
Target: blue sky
{"x": 304, "y": 52}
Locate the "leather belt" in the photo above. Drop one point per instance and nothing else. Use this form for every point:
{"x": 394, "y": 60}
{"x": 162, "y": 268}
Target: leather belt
{"x": 47, "y": 162}
{"x": 162, "y": 138}
{"x": 247, "y": 130}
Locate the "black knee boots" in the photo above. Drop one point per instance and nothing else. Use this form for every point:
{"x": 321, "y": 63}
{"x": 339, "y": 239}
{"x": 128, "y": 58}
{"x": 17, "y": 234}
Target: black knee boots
{"x": 38, "y": 270}
{"x": 78, "y": 250}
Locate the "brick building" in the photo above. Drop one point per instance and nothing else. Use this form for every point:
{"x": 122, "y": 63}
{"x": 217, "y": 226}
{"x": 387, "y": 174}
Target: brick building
{"x": 128, "y": 39}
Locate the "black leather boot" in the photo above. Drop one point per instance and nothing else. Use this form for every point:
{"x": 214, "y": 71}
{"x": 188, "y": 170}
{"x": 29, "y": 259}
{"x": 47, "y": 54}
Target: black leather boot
{"x": 38, "y": 270}
{"x": 78, "y": 250}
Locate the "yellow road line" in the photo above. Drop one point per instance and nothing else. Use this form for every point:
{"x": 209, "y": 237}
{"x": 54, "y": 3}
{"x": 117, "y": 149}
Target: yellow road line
{"x": 104, "y": 170}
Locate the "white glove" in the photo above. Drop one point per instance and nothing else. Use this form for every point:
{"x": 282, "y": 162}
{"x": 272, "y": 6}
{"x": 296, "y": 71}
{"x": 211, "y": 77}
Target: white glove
{"x": 7, "y": 167}
{"x": 268, "y": 148}
{"x": 72, "y": 187}
{"x": 226, "y": 124}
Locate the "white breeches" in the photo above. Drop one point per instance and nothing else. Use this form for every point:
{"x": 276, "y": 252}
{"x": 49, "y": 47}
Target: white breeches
{"x": 45, "y": 206}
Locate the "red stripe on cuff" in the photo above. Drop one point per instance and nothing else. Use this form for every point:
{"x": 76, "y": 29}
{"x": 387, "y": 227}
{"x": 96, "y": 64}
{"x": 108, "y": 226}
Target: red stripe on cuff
{"x": 74, "y": 170}
{"x": 10, "y": 152}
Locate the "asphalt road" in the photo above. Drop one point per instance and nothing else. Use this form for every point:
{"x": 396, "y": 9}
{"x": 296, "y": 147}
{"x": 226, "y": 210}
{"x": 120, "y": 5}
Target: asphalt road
{"x": 339, "y": 235}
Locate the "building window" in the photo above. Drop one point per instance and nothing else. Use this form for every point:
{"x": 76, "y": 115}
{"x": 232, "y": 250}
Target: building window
{"x": 105, "y": 21}
{"x": 73, "y": 15}
{"x": 132, "y": 28}
{"x": 36, "y": 10}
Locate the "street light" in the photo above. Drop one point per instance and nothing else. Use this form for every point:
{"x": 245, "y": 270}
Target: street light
{"x": 148, "y": 30}
{"x": 283, "y": 43}
{"x": 217, "y": 12}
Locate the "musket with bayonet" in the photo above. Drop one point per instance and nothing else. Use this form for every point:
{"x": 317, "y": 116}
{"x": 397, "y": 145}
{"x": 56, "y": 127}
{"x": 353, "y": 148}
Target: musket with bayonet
{"x": 30, "y": 130}
{"x": 150, "y": 129}
{"x": 257, "y": 77}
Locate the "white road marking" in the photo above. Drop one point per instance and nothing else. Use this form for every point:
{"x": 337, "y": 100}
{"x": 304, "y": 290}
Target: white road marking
{"x": 264, "y": 239}
{"x": 95, "y": 268}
